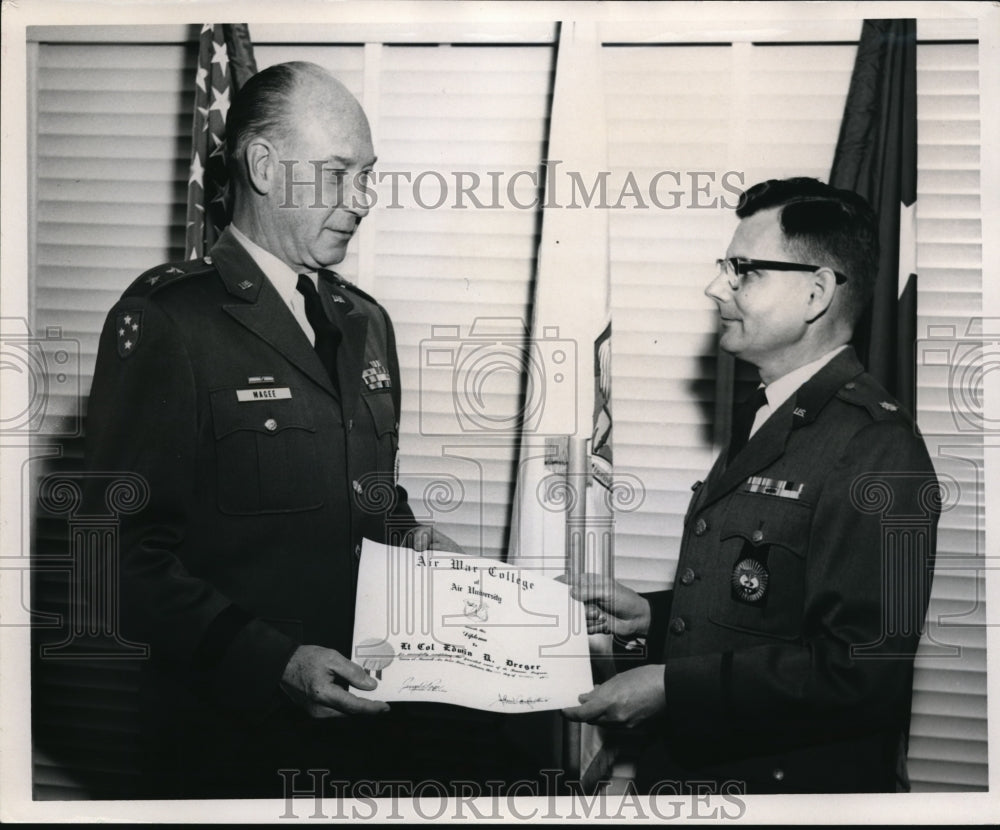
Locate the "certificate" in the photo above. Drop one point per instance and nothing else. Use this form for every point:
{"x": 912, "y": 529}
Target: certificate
{"x": 468, "y": 631}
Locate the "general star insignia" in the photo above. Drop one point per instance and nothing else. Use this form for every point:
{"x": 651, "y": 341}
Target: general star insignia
{"x": 173, "y": 270}
{"x": 129, "y": 325}
{"x": 153, "y": 280}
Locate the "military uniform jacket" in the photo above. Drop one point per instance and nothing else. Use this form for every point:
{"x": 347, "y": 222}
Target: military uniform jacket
{"x": 262, "y": 477}
{"x": 802, "y": 583}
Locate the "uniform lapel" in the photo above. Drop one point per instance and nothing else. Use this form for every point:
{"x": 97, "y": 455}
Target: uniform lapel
{"x": 768, "y": 443}
{"x": 353, "y": 323}
{"x": 764, "y": 448}
{"x": 261, "y": 309}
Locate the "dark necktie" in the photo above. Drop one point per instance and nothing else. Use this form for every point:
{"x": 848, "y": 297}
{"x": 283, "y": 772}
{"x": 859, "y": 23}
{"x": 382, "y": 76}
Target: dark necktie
{"x": 743, "y": 418}
{"x": 326, "y": 332}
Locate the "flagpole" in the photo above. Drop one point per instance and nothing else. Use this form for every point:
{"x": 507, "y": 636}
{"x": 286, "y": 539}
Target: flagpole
{"x": 576, "y": 550}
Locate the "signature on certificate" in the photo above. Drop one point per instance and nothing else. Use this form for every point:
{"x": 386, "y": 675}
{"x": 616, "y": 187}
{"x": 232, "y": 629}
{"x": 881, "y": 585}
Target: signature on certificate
{"x": 511, "y": 700}
{"x": 411, "y": 685}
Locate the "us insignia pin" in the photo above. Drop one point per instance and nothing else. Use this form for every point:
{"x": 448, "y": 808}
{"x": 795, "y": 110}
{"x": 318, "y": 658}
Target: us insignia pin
{"x": 129, "y": 329}
{"x": 245, "y": 285}
{"x": 749, "y": 581}
{"x": 888, "y": 407}
{"x": 375, "y": 376}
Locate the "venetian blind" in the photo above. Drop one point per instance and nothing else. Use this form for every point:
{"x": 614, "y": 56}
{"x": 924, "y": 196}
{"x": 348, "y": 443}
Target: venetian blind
{"x": 948, "y": 749}
{"x": 774, "y": 111}
{"x": 455, "y": 277}
{"x": 112, "y": 145}
{"x": 109, "y": 209}
{"x": 112, "y": 154}
{"x": 715, "y": 117}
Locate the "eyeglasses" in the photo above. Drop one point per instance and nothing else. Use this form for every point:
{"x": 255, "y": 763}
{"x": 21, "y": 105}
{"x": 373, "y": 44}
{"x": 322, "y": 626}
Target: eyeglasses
{"x": 735, "y": 268}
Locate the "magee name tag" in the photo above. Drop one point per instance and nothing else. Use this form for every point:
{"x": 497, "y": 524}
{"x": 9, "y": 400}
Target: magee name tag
{"x": 275, "y": 393}
{"x": 774, "y": 487}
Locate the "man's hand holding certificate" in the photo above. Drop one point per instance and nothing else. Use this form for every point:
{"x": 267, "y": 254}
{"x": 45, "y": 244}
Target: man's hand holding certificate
{"x": 433, "y": 626}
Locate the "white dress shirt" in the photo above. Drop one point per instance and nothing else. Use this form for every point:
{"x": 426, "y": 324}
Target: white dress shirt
{"x": 780, "y": 390}
{"x": 283, "y": 278}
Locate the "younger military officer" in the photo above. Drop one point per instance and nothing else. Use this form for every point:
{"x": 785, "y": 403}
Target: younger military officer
{"x": 258, "y": 395}
{"x": 782, "y": 658}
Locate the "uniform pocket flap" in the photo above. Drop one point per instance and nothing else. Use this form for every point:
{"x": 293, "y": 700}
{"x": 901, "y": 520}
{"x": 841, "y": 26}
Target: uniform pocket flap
{"x": 269, "y": 416}
{"x": 761, "y": 520}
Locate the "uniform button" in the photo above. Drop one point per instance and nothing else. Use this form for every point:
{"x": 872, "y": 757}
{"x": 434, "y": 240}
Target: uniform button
{"x": 678, "y": 626}
{"x": 357, "y": 549}
{"x": 700, "y": 527}
{"x": 687, "y": 577}
{"x": 778, "y": 775}
{"x": 357, "y": 486}
{"x": 270, "y": 425}
{"x": 757, "y": 536}
{"x": 207, "y": 260}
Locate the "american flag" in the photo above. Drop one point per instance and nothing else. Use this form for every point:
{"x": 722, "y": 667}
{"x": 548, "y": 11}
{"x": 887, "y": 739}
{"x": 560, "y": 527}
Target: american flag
{"x": 225, "y": 61}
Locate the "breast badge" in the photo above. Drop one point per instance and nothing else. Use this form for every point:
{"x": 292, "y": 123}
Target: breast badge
{"x": 749, "y": 581}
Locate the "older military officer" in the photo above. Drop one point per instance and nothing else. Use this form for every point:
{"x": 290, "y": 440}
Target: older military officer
{"x": 781, "y": 660}
{"x": 258, "y": 394}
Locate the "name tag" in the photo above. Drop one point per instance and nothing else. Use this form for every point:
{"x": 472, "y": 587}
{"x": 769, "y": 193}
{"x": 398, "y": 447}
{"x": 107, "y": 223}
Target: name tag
{"x": 276, "y": 393}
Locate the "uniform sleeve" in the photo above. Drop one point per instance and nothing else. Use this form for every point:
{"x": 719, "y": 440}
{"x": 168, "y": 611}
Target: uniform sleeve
{"x": 402, "y": 514}
{"x": 851, "y": 668}
{"x": 142, "y": 419}
{"x": 627, "y": 655}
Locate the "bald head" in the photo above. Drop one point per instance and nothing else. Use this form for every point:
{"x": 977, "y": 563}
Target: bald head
{"x": 282, "y": 99}
{"x": 301, "y": 159}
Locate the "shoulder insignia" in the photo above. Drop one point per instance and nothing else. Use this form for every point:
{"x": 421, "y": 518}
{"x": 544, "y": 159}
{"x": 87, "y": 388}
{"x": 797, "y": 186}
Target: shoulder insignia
{"x": 351, "y": 287}
{"x": 128, "y": 328}
{"x": 866, "y": 392}
{"x": 163, "y": 275}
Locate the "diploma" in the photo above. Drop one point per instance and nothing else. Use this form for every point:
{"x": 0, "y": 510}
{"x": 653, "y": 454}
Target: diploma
{"x": 468, "y": 631}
